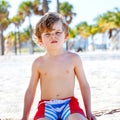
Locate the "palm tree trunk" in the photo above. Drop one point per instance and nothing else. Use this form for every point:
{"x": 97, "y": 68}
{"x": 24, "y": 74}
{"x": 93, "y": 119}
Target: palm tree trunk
{"x": 19, "y": 40}
{"x": 58, "y": 9}
{"x": 45, "y": 6}
{"x": 1, "y": 43}
{"x": 67, "y": 45}
{"x": 31, "y": 42}
{"x": 15, "y": 43}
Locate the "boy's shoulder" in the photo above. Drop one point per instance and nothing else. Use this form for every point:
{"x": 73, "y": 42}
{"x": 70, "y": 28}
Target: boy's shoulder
{"x": 73, "y": 54}
{"x": 75, "y": 57}
{"x": 39, "y": 59}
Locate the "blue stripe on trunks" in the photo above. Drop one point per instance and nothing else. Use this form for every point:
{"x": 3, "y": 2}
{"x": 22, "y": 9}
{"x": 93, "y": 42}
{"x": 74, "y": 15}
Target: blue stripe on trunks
{"x": 65, "y": 113}
{"x": 55, "y": 109}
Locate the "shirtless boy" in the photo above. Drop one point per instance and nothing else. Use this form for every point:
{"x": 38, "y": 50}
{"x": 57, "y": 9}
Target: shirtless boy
{"x": 56, "y": 70}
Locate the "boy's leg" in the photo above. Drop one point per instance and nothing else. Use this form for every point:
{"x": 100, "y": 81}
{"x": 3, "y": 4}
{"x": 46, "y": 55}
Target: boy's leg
{"x": 76, "y": 116}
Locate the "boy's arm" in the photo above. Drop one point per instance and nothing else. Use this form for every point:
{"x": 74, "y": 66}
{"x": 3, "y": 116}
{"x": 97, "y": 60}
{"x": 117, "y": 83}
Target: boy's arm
{"x": 30, "y": 92}
{"x": 84, "y": 86}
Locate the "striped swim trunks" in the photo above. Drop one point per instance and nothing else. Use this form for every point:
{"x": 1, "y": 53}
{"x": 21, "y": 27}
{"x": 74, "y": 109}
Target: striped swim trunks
{"x": 58, "y": 109}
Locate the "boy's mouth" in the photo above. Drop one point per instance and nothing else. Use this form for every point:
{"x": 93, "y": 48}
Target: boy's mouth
{"x": 54, "y": 41}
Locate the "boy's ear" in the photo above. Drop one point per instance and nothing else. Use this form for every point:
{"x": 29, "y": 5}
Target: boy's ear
{"x": 40, "y": 42}
{"x": 66, "y": 37}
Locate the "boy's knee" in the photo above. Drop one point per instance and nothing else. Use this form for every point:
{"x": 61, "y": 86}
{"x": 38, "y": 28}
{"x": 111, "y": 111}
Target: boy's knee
{"x": 76, "y": 116}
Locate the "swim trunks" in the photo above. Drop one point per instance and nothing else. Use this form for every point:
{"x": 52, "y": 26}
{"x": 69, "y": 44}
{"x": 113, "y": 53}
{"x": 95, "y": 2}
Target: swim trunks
{"x": 58, "y": 109}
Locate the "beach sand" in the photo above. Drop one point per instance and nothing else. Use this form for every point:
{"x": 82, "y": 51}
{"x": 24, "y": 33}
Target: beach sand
{"x": 102, "y": 70}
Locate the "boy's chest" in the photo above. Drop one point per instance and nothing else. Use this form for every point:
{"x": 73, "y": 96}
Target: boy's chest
{"x": 56, "y": 68}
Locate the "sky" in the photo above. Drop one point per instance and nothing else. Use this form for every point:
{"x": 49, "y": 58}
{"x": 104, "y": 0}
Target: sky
{"x": 86, "y": 10}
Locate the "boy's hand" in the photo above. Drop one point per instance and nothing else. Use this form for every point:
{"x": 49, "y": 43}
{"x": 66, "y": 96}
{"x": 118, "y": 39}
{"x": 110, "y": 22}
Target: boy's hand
{"x": 91, "y": 117}
{"x": 24, "y": 118}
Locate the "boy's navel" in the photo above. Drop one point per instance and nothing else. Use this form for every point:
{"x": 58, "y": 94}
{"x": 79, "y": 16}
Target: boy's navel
{"x": 67, "y": 71}
{"x": 57, "y": 95}
{"x": 45, "y": 73}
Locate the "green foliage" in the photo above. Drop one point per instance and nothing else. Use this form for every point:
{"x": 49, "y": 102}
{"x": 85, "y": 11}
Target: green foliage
{"x": 4, "y": 10}
{"x": 95, "y": 29}
{"x": 25, "y": 8}
{"x": 72, "y": 33}
{"x": 4, "y": 23}
{"x": 109, "y": 20}
{"x": 66, "y": 10}
{"x": 83, "y": 29}
{"x": 17, "y": 20}
{"x": 10, "y": 37}
{"x": 4, "y": 6}
{"x": 25, "y": 35}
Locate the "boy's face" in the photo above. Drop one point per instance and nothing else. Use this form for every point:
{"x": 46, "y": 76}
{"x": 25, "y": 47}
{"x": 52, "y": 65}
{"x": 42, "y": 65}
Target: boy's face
{"x": 55, "y": 38}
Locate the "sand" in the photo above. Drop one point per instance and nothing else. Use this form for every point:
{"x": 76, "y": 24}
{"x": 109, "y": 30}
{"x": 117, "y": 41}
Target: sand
{"x": 102, "y": 70}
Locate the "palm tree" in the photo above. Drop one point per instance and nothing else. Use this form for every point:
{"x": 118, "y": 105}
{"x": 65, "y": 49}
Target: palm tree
{"x": 37, "y": 3}
{"x": 116, "y": 21}
{"x": 66, "y": 11}
{"x": 25, "y": 9}
{"x": 109, "y": 22}
{"x": 35, "y": 6}
{"x": 3, "y": 22}
{"x": 17, "y": 20}
{"x": 25, "y": 35}
{"x": 84, "y": 30}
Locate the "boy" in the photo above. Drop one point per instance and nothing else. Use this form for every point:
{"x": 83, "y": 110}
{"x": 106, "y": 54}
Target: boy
{"x": 56, "y": 70}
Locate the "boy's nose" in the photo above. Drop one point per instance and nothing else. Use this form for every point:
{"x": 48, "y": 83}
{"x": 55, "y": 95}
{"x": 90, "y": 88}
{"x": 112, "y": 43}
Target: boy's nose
{"x": 53, "y": 35}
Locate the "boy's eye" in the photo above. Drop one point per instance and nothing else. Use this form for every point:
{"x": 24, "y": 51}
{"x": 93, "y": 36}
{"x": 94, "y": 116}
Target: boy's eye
{"x": 50, "y": 34}
{"x": 58, "y": 33}
{"x": 47, "y": 34}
